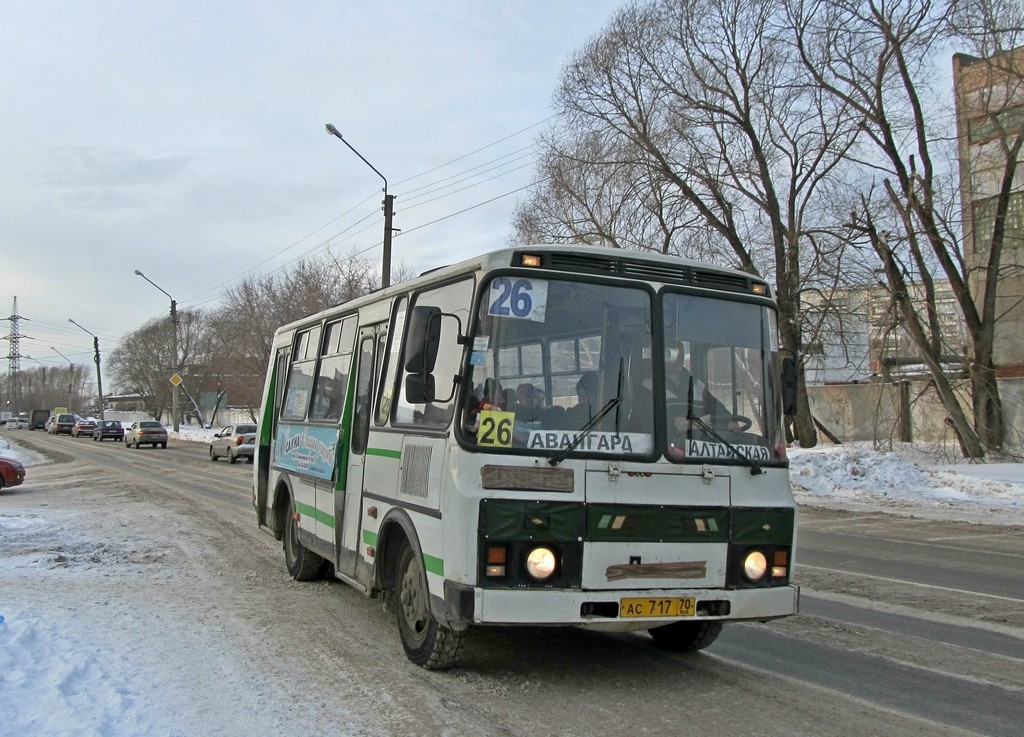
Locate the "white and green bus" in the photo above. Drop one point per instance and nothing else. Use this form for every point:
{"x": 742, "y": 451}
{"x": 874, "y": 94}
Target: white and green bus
{"x": 549, "y": 435}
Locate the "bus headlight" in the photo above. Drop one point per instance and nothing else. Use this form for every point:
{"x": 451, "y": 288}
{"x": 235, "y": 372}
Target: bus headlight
{"x": 541, "y": 563}
{"x": 755, "y": 565}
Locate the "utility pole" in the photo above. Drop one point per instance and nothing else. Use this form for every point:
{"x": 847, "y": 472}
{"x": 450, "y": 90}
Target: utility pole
{"x": 176, "y": 377}
{"x": 389, "y": 212}
{"x": 99, "y": 378}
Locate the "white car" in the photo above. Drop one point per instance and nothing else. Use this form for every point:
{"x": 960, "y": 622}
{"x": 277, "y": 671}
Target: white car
{"x": 18, "y": 423}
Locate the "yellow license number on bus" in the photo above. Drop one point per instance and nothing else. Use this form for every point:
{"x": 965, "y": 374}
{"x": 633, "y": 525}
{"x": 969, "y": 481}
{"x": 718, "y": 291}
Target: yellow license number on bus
{"x": 495, "y": 429}
{"x": 675, "y": 607}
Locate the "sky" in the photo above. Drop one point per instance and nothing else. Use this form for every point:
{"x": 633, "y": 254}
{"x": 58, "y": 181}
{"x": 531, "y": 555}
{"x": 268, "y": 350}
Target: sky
{"x": 81, "y": 590}
{"x": 187, "y": 140}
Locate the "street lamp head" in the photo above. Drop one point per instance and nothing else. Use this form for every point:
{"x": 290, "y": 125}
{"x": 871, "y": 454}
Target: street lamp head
{"x": 83, "y": 329}
{"x": 333, "y": 131}
{"x": 139, "y": 273}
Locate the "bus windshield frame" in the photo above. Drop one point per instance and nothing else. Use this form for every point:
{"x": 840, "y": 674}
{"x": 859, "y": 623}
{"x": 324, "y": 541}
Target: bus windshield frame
{"x": 548, "y": 353}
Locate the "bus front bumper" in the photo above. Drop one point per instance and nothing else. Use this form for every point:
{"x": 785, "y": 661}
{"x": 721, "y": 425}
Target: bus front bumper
{"x": 621, "y": 610}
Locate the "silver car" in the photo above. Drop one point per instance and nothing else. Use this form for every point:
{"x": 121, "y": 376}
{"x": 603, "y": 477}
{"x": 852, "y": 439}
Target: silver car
{"x": 146, "y": 432}
{"x": 234, "y": 442}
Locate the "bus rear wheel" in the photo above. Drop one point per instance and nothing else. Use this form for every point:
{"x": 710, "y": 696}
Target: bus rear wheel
{"x": 302, "y": 563}
{"x": 686, "y": 637}
{"x": 427, "y": 642}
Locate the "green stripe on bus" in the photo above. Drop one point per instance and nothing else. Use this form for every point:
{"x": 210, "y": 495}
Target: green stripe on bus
{"x": 308, "y": 511}
{"x": 433, "y": 565}
{"x": 384, "y": 453}
{"x": 430, "y": 563}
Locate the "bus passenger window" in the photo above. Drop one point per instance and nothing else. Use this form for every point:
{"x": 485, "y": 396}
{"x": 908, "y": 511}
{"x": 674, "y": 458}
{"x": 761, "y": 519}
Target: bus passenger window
{"x": 296, "y": 397}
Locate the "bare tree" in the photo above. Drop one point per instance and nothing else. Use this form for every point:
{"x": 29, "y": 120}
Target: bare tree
{"x": 593, "y": 188}
{"x": 243, "y": 330}
{"x": 139, "y": 365}
{"x": 45, "y": 387}
{"x": 144, "y": 360}
{"x": 224, "y": 353}
{"x": 712, "y": 137}
{"x": 878, "y": 59}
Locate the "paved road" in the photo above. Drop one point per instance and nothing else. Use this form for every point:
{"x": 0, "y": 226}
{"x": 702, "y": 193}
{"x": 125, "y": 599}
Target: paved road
{"x": 907, "y": 627}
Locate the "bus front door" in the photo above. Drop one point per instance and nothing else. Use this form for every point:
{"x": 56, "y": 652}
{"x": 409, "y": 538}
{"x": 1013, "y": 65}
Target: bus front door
{"x": 348, "y": 530}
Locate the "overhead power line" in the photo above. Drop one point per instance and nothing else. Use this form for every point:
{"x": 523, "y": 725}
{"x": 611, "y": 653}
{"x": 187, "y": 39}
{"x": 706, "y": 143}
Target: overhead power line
{"x": 216, "y": 292}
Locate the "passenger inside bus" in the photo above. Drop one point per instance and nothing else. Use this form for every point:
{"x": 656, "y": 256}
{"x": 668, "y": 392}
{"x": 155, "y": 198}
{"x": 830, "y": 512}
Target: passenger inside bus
{"x": 327, "y": 400}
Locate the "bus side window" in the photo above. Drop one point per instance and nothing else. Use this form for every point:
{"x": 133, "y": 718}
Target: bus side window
{"x": 332, "y": 377}
{"x": 393, "y": 340}
{"x": 300, "y": 376}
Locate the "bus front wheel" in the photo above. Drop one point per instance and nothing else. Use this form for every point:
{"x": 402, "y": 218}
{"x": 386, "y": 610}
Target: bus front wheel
{"x": 302, "y": 563}
{"x": 427, "y": 643}
{"x": 686, "y": 637}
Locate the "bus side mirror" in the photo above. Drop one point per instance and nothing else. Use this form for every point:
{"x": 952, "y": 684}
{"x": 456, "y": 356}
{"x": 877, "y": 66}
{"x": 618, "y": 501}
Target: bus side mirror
{"x": 789, "y": 386}
{"x": 419, "y": 388}
{"x": 422, "y": 339}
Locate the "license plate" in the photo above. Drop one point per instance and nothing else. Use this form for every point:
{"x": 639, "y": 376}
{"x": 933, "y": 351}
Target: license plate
{"x": 677, "y": 607}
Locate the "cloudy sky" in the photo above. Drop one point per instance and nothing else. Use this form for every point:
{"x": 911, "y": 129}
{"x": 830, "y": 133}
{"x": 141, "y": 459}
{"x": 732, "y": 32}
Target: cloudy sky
{"x": 187, "y": 140}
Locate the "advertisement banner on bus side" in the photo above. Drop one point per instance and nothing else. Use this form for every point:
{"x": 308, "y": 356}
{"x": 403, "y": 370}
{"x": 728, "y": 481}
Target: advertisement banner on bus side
{"x": 306, "y": 449}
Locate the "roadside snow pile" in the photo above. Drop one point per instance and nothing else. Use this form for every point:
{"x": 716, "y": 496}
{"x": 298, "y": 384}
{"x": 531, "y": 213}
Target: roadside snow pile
{"x": 26, "y": 456}
{"x": 859, "y": 478}
{"x": 843, "y": 473}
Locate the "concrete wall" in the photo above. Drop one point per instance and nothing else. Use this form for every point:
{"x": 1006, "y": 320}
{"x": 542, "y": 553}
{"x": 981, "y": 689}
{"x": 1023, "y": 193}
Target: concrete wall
{"x": 872, "y": 412}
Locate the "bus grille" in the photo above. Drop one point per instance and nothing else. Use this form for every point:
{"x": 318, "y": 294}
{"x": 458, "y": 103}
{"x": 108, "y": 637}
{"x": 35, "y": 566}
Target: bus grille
{"x": 415, "y": 470}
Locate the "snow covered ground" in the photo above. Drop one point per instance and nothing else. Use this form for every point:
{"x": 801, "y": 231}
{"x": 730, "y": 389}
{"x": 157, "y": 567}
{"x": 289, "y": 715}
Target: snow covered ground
{"x": 65, "y": 671}
{"x": 905, "y": 482}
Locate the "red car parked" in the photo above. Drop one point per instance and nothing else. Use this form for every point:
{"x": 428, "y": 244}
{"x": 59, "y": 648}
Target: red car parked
{"x": 12, "y": 473}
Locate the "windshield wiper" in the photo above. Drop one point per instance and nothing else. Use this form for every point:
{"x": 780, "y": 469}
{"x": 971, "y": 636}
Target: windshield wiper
{"x": 612, "y": 403}
{"x": 583, "y": 431}
{"x": 755, "y": 469}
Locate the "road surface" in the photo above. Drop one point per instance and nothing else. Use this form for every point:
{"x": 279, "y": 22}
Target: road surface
{"x": 907, "y": 627}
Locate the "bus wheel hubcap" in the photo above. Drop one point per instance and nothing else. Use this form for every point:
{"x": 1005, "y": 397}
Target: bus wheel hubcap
{"x": 412, "y": 601}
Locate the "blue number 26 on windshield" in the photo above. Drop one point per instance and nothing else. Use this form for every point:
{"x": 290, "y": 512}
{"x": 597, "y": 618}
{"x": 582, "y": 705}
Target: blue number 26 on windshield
{"x": 520, "y": 299}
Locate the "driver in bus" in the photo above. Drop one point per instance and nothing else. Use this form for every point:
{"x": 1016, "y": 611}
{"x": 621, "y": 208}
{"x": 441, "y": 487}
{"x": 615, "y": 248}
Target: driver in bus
{"x": 529, "y": 402}
{"x": 678, "y": 381}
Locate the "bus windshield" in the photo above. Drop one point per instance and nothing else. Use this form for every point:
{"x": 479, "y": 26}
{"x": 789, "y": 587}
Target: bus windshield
{"x": 550, "y": 355}
{"x": 560, "y": 366}
{"x": 719, "y": 392}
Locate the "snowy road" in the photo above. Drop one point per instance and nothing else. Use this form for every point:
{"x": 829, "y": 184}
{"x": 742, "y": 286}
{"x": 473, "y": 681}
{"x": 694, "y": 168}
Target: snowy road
{"x": 141, "y": 599}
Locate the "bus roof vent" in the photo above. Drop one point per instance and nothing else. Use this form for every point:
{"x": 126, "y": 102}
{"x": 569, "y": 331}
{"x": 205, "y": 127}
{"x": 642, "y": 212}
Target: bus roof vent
{"x": 721, "y": 280}
{"x": 650, "y": 271}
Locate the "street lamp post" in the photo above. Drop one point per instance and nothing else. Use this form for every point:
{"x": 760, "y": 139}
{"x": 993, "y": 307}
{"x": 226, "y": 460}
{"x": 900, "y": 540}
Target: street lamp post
{"x": 99, "y": 379}
{"x": 389, "y": 211}
{"x": 71, "y": 379}
{"x": 174, "y": 349}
